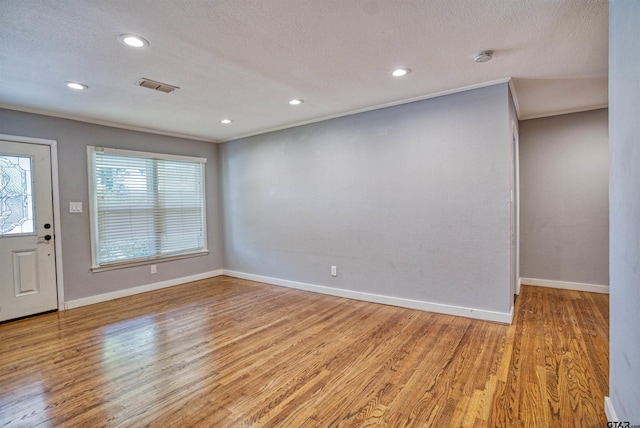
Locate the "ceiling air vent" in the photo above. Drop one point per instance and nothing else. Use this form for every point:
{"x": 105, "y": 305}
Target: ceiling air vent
{"x": 152, "y": 84}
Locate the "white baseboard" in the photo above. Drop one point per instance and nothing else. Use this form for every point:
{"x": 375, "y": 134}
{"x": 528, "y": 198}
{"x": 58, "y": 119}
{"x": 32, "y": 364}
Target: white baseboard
{"x": 84, "y": 301}
{"x": 610, "y": 411}
{"x": 502, "y": 317}
{"x": 577, "y": 286}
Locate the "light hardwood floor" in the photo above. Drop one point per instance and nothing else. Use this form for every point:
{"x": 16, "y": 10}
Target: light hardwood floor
{"x": 232, "y": 353}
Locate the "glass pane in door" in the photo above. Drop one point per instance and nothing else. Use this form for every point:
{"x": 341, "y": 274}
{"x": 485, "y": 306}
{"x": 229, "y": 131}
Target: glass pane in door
{"x": 16, "y": 196}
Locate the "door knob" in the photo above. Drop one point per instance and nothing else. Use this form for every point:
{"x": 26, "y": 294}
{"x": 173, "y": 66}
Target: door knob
{"x": 44, "y": 239}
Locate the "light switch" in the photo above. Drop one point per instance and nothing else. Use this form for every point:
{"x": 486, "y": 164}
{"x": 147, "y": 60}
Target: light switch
{"x": 75, "y": 207}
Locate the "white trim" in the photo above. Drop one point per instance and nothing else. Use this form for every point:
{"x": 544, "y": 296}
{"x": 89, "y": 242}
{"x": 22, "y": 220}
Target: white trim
{"x": 376, "y": 107}
{"x": 293, "y": 125}
{"x": 577, "y": 286}
{"x": 609, "y": 410}
{"x": 147, "y": 155}
{"x": 512, "y": 86}
{"x": 264, "y": 131}
{"x": 55, "y": 197}
{"x": 113, "y": 266}
{"x": 84, "y": 301}
{"x": 105, "y": 123}
{"x": 567, "y": 111}
{"x": 91, "y": 166}
{"x": 481, "y": 314}
{"x": 516, "y": 134}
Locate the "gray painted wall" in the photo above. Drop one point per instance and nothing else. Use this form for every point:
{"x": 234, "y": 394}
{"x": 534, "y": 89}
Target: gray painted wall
{"x": 73, "y": 138}
{"x": 624, "y": 299}
{"x": 564, "y": 198}
{"x": 410, "y": 201}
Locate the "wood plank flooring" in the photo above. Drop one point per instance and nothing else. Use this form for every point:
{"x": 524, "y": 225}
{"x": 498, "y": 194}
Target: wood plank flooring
{"x": 226, "y": 352}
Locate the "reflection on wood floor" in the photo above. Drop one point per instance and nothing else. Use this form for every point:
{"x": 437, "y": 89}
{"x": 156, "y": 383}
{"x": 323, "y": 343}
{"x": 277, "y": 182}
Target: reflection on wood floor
{"x": 226, "y": 352}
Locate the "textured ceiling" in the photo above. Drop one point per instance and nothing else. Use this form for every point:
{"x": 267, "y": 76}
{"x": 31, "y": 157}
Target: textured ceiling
{"x": 244, "y": 59}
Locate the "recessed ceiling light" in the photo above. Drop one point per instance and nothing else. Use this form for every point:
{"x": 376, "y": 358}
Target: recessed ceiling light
{"x": 75, "y": 85}
{"x": 399, "y": 72}
{"x": 226, "y": 121}
{"x": 133, "y": 41}
{"x": 483, "y": 56}
{"x": 296, "y": 101}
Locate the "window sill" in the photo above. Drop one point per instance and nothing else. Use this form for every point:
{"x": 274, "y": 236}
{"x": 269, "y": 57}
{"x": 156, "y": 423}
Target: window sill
{"x": 122, "y": 265}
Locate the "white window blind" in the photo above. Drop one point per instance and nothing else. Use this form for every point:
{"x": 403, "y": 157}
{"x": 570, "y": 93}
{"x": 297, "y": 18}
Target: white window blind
{"x": 145, "y": 206}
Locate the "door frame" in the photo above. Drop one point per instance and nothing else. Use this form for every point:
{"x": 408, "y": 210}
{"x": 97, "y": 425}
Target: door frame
{"x": 55, "y": 198}
{"x": 515, "y": 141}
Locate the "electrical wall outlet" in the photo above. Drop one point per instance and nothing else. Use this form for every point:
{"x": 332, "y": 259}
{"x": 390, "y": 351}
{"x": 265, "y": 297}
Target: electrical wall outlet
{"x": 154, "y": 269}
{"x": 334, "y": 270}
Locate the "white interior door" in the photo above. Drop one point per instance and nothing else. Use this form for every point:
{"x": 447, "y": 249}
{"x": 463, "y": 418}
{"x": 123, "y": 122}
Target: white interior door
{"x": 27, "y": 250}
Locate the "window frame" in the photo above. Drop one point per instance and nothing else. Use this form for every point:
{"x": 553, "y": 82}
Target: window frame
{"x": 93, "y": 214}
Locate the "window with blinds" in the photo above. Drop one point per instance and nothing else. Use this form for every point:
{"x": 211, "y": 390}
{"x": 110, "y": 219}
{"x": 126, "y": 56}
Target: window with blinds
{"x": 145, "y": 206}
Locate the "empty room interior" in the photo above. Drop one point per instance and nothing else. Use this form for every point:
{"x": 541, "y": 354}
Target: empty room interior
{"x": 304, "y": 213}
